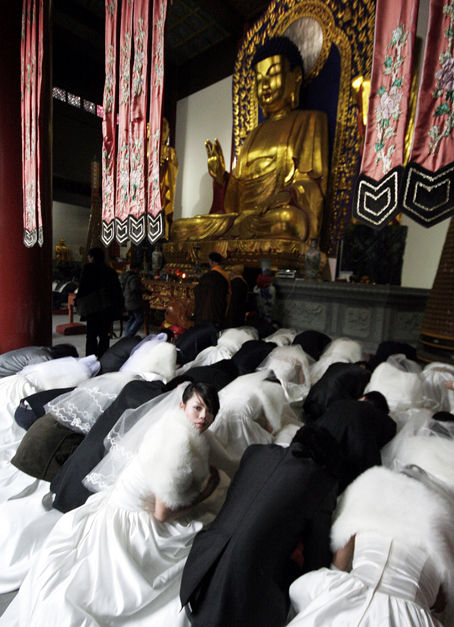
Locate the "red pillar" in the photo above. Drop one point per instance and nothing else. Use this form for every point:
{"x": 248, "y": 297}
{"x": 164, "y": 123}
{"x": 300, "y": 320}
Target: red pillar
{"x": 25, "y": 273}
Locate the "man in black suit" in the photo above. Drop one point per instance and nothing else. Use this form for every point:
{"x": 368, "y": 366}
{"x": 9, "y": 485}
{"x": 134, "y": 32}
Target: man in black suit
{"x": 281, "y": 499}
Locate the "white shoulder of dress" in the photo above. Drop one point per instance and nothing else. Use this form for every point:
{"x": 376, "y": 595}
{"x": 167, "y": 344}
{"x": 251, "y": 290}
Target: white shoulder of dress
{"x": 400, "y": 507}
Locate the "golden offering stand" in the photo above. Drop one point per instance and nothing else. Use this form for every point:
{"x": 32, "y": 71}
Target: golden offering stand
{"x": 283, "y": 253}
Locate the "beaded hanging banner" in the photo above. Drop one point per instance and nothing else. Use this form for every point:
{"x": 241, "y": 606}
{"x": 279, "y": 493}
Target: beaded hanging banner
{"x": 31, "y": 94}
{"x": 377, "y": 194}
{"x": 428, "y": 189}
{"x": 155, "y": 226}
{"x": 109, "y": 140}
{"x": 126, "y": 192}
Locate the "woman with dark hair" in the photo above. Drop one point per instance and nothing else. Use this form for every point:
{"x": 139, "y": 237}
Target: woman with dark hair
{"x": 120, "y": 556}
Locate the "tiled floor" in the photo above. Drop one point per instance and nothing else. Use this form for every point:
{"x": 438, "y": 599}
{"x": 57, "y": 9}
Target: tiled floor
{"x": 77, "y": 340}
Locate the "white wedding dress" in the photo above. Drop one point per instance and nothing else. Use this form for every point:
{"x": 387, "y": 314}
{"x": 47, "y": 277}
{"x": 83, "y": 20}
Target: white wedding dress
{"x": 403, "y": 524}
{"x": 110, "y": 561}
{"x": 391, "y": 583}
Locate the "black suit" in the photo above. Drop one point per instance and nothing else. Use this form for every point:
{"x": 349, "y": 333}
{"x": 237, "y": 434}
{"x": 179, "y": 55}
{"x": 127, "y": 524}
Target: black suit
{"x": 239, "y": 569}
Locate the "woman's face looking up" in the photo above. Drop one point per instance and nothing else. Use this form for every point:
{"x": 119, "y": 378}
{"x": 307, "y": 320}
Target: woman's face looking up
{"x": 197, "y": 413}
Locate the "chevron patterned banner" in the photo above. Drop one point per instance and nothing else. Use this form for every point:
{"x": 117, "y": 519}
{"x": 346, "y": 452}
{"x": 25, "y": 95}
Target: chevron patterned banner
{"x": 129, "y": 181}
{"x": 428, "y": 193}
{"x": 377, "y": 192}
{"x": 156, "y": 94}
{"x": 31, "y": 96}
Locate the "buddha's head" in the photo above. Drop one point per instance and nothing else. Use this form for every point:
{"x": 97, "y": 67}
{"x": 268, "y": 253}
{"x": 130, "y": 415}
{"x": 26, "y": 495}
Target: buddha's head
{"x": 278, "y": 69}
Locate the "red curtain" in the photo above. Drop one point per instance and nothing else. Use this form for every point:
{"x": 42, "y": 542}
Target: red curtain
{"x": 31, "y": 95}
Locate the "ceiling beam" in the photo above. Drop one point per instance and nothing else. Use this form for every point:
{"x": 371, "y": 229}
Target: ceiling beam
{"x": 223, "y": 13}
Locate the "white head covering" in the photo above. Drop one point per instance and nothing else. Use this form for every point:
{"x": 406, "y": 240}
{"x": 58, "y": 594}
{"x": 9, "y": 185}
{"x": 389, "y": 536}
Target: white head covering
{"x": 436, "y": 395}
{"x": 79, "y": 409}
{"x": 61, "y": 373}
{"x": 250, "y": 407}
{"x": 233, "y": 339}
{"x": 290, "y": 364}
{"x": 153, "y": 360}
{"x": 401, "y": 389}
{"x": 229, "y": 342}
{"x": 435, "y": 455}
{"x": 124, "y": 439}
{"x": 282, "y": 337}
{"x": 342, "y": 349}
{"x": 399, "y": 360}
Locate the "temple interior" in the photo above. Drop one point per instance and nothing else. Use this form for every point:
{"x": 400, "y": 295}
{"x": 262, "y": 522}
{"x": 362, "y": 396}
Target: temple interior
{"x": 283, "y": 143}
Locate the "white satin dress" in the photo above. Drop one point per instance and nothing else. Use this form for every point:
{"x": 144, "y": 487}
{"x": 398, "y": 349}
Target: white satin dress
{"x": 390, "y": 584}
{"x": 110, "y": 562}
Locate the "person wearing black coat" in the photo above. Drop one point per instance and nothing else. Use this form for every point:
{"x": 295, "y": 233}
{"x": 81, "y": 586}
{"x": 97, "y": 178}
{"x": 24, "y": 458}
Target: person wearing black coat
{"x": 340, "y": 381}
{"x": 274, "y": 524}
{"x": 99, "y": 301}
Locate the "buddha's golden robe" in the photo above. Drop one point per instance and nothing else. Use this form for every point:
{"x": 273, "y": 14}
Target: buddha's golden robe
{"x": 290, "y": 154}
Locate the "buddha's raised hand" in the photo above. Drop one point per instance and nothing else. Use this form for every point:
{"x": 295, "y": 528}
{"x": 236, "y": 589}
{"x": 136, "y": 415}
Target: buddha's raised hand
{"x": 216, "y": 162}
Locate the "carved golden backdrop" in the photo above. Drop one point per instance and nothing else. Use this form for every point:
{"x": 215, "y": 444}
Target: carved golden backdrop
{"x": 336, "y": 42}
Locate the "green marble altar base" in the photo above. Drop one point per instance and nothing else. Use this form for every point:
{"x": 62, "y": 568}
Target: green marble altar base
{"x": 367, "y": 313}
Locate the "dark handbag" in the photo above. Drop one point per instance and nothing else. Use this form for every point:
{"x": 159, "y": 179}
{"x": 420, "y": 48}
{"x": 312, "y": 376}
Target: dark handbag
{"x": 93, "y": 303}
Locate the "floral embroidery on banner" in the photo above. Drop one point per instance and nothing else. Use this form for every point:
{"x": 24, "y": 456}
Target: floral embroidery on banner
{"x": 388, "y": 111}
{"x": 109, "y": 82}
{"x": 159, "y": 59}
{"x": 137, "y": 166}
{"x": 137, "y": 171}
{"x": 444, "y": 88}
{"x": 155, "y": 134}
{"x": 123, "y": 180}
{"x": 111, "y": 7}
{"x": 137, "y": 71}
{"x": 108, "y": 184}
{"x": 107, "y": 155}
{"x": 125, "y": 70}
{"x": 155, "y": 187}
{"x": 122, "y": 204}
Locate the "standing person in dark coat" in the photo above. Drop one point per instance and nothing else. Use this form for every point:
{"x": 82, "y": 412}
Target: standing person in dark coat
{"x": 238, "y": 300}
{"x": 212, "y": 294}
{"x": 99, "y": 301}
{"x": 132, "y": 293}
{"x": 274, "y": 523}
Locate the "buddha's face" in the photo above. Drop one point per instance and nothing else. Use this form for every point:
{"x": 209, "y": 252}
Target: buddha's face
{"x": 276, "y": 84}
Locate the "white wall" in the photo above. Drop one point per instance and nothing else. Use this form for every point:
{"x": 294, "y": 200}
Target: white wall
{"x": 422, "y": 253}
{"x": 70, "y": 222}
{"x": 204, "y": 115}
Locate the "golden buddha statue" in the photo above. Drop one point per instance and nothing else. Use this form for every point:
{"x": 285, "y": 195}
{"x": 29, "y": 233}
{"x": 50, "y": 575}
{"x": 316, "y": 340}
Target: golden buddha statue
{"x": 62, "y": 253}
{"x": 168, "y": 170}
{"x": 278, "y": 185}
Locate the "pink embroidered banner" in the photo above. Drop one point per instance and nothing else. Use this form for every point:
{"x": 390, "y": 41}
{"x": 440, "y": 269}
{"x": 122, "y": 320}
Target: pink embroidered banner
{"x": 376, "y": 199}
{"x": 31, "y": 94}
{"x": 138, "y": 125}
{"x": 429, "y": 179}
{"x": 127, "y": 187}
{"x": 109, "y": 125}
{"x": 155, "y": 225}
{"x": 122, "y": 201}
